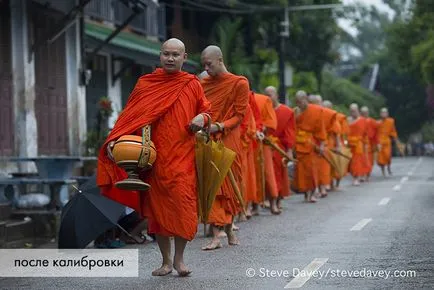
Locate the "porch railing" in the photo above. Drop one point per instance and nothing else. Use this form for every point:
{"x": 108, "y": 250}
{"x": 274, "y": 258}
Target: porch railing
{"x": 151, "y": 22}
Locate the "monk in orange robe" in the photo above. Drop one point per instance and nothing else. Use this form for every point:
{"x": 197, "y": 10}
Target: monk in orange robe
{"x": 323, "y": 166}
{"x": 229, "y": 97}
{"x": 371, "y": 126}
{"x": 168, "y": 100}
{"x": 386, "y": 133}
{"x": 309, "y": 126}
{"x": 257, "y": 146}
{"x": 269, "y": 123}
{"x": 284, "y": 135}
{"x": 334, "y": 141}
{"x": 248, "y": 138}
{"x": 343, "y": 133}
{"x": 357, "y": 140}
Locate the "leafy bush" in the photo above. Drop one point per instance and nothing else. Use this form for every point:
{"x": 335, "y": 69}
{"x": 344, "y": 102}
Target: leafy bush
{"x": 305, "y": 81}
{"x": 343, "y": 92}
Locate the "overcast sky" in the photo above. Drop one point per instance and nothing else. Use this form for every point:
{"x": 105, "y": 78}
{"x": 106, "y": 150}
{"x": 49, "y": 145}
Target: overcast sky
{"x": 379, "y": 3}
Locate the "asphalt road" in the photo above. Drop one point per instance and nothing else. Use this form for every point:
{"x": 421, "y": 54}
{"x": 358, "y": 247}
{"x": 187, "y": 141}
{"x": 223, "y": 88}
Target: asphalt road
{"x": 381, "y": 232}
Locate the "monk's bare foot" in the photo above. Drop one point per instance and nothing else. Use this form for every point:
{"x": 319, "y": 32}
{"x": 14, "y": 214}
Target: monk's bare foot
{"x": 266, "y": 204}
{"x": 214, "y": 244}
{"x": 182, "y": 269}
{"x": 232, "y": 239}
{"x": 279, "y": 203}
{"x": 248, "y": 213}
{"x": 311, "y": 197}
{"x": 356, "y": 183}
{"x": 235, "y": 228}
{"x": 221, "y": 234}
{"x": 163, "y": 270}
{"x": 275, "y": 210}
{"x": 255, "y": 212}
{"x": 242, "y": 217}
{"x": 323, "y": 194}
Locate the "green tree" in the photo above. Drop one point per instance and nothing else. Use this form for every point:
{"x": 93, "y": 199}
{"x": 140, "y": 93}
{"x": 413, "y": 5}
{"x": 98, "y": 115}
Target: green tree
{"x": 312, "y": 33}
{"x": 370, "y": 24}
{"x": 343, "y": 92}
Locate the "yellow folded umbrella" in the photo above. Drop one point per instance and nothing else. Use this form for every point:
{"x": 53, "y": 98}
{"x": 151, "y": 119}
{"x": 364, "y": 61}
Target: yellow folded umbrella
{"x": 213, "y": 161}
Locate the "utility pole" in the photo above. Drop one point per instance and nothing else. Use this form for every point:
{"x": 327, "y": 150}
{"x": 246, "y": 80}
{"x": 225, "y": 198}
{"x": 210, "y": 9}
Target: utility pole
{"x": 284, "y": 34}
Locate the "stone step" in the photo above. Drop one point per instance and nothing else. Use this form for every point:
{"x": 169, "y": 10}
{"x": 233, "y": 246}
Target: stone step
{"x": 45, "y": 222}
{"x": 18, "y": 230}
{"x": 5, "y": 211}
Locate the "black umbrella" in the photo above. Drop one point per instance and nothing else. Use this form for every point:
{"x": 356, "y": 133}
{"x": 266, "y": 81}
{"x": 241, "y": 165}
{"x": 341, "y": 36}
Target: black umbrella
{"x": 87, "y": 215}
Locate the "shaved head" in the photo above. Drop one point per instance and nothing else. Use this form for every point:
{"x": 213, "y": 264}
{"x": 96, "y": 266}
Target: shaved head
{"x": 301, "y": 100}
{"x": 354, "y": 110}
{"x": 327, "y": 104}
{"x": 213, "y": 50}
{"x": 212, "y": 61}
{"x": 175, "y": 43}
{"x": 172, "y": 55}
{"x": 301, "y": 95}
{"x": 315, "y": 99}
{"x": 364, "y": 111}
{"x": 384, "y": 113}
{"x": 271, "y": 92}
{"x": 354, "y": 106}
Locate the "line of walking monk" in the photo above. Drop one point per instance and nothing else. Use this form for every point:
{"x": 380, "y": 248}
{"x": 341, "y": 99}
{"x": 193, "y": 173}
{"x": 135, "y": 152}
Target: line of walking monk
{"x": 177, "y": 104}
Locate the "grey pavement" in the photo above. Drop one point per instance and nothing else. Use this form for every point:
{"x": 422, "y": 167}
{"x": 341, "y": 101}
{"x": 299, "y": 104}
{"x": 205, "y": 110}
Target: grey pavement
{"x": 398, "y": 236}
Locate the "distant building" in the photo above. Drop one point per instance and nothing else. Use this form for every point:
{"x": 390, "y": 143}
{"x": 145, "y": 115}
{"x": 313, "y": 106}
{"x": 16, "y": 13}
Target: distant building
{"x": 54, "y": 67}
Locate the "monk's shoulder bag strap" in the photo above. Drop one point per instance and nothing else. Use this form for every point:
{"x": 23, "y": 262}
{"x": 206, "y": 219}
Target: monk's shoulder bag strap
{"x": 146, "y": 147}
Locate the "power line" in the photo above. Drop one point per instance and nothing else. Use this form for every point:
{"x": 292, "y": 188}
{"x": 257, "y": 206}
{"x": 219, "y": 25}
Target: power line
{"x": 205, "y": 5}
{"x": 217, "y": 9}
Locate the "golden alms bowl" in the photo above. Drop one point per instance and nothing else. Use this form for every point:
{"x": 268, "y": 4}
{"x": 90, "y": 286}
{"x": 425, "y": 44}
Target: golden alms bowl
{"x": 132, "y": 154}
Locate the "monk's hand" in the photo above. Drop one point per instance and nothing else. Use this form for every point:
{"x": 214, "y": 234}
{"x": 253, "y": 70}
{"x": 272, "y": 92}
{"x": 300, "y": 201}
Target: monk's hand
{"x": 321, "y": 148}
{"x": 378, "y": 147}
{"x": 260, "y": 135}
{"x": 216, "y": 127}
{"x": 110, "y": 146}
{"x": 197, "y": 123}
{"x": 290, "y": 155}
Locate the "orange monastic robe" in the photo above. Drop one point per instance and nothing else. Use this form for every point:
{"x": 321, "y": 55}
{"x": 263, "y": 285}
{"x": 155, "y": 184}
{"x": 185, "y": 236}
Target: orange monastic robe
{"x": 386, "y": 131}
{"x": 285, "y": 134}
{"x": 323, "y": 167}
{"x": 248, "y": 132}
{"x": 344, "y": 127}
{"x": 309, "y": 126}
{"x": 371, "y": 126}
{"x": 229, "y": 97}
{"x": 168, "y": 102}
{"x": 357, "y": 137}
{"x": 269, "y": 121}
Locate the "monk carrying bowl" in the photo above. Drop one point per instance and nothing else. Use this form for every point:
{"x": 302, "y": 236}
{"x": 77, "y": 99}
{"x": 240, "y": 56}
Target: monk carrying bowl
{"x": 132, "y": 154}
